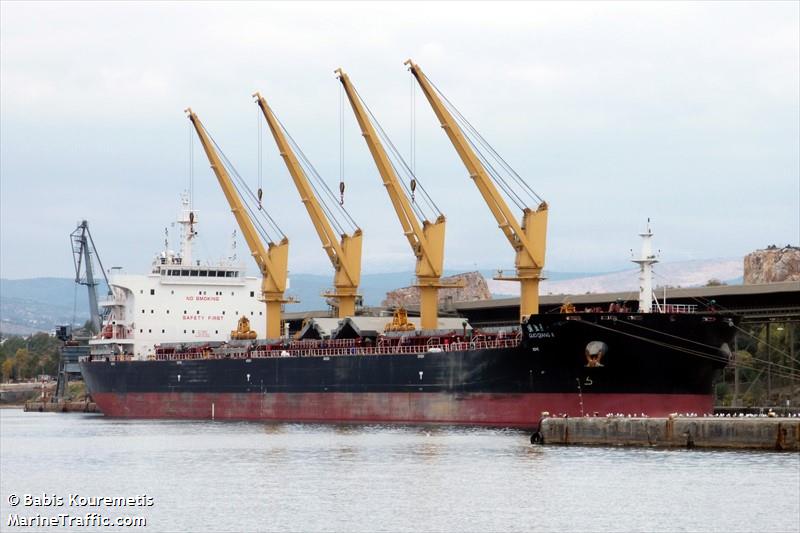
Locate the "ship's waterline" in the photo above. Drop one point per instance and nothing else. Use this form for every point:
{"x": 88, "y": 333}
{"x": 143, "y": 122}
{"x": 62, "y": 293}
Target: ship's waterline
{"x": 523, "y": 411}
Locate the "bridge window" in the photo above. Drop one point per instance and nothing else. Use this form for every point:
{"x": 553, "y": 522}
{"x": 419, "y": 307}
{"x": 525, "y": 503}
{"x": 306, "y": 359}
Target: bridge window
{"x": 252, "y": 294}
{"x": 152, "y": 292}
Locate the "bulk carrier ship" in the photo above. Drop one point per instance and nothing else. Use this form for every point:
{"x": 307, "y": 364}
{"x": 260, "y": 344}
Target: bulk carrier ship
{"x": 575, "y": 363}
{"x": 652, "y": 361}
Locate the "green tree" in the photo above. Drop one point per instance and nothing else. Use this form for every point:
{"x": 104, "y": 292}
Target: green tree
{"x": 21, "y": 361}
{"x": 10, "y": 346}
{"x": 43, "y": 344}
{"x": 8, "y": 368}
{"x": 50, "y": 364}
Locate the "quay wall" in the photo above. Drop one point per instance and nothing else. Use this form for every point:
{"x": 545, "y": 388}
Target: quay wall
{"x": 757, "y": 433}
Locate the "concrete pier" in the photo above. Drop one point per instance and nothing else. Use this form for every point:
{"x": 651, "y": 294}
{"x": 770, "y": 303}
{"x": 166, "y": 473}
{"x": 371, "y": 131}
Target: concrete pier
{"x": 756, "y": 433}
{"x": 61, "y": 407}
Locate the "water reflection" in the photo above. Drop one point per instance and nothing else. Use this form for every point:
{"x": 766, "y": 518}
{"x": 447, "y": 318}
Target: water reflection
{"x": 235, "y": 476}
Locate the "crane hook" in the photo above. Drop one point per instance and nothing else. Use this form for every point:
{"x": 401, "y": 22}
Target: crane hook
{"x": 341, "y": 193}
{"x": 260, "y": 195}
{"x": 413, "y": 187}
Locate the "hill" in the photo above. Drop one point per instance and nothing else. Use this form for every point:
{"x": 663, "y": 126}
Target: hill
{"x": 39, "y": 304}
{"x": 673, "y": 274}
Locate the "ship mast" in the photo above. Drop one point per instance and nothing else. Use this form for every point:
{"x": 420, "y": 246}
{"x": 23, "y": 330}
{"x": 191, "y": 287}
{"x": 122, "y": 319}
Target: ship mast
{"x": 187, "y": 220}
{"x": 646, "y": 262}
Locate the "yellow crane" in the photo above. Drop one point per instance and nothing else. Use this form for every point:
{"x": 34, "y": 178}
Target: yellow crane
{"x": 426, "y": 238}
{"x": 273, "y": 260}
{"x": 528, "y": 237}
{"x": 345, "y": 256}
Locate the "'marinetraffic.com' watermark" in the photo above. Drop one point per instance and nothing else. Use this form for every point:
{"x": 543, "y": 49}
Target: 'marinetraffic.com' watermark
{"x": 74, "y": 510}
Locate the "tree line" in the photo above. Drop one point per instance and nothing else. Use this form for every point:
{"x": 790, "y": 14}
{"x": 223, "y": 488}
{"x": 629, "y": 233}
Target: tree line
{"x": 23, "y": 358}
{"x": 768, "y": 357}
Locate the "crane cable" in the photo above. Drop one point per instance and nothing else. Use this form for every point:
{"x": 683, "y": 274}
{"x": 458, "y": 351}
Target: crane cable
{"x": 341, "y": 145}
{"x": 704, "y": 344}
{"x": 243, "y": 187}
{"x": 259, "y": 127}
{"x": 412, "y": 150}
{"x": 75, "y": 305}
{"x": 705, "y": 301}
{"x": 310, "y": 170}
{"x": 483, "y": 142}
{"x": 191, "y": 166}
{"x": 719, "y": 358}
{"x": 403, "y": 165}
{"x": 772, "y": 347}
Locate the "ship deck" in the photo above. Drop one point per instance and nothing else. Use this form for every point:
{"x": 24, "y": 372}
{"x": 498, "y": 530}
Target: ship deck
{"x": 322, "y": 348}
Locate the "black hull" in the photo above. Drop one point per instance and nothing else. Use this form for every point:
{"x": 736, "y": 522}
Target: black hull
{"x": 564, "y": 357}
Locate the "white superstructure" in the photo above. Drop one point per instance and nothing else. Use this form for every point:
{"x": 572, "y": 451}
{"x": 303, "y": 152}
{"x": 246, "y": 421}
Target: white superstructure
{"x": 180, "y": 300}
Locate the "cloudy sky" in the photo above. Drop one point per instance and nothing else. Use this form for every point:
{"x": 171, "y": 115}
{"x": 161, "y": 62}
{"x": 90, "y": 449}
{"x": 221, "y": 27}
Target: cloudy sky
{"x": 687, "y": 113}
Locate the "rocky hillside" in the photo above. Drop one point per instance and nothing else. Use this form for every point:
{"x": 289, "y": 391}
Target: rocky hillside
{"x": 475, "y": 288}
{"x": 772, "y": 265}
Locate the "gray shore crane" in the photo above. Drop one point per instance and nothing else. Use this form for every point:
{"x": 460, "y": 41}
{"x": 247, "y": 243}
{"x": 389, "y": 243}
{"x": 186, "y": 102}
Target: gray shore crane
{"x": 82, "y": 250}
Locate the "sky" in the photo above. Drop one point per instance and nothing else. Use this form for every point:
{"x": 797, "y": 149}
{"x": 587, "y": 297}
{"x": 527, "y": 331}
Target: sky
{"x": 686, "y": 113}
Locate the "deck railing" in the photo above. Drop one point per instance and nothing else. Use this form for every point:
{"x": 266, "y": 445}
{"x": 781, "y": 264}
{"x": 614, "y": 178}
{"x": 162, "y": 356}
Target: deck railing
{"x": 295, "y": 351}
{"x": 678, "y": 308}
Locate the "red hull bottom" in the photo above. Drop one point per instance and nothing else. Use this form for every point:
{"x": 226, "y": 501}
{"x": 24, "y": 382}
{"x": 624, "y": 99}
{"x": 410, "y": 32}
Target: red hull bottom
{"x": 501, "y": 410}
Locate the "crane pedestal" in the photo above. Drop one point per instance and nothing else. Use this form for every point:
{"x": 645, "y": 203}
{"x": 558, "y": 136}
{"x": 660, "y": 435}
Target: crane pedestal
{"x": 345, "y": 298}
{"x": 429, "y": 299}
{"x": 274, "y": 316}
{"x": 528, "y": 290}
